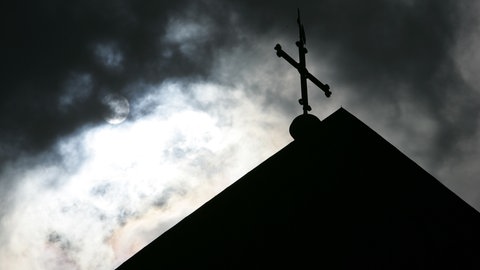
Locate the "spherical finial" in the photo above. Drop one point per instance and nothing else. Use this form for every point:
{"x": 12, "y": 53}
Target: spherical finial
{"x": 305, "y": 127}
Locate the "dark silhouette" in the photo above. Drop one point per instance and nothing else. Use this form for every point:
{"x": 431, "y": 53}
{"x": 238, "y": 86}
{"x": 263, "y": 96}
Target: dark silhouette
{"x": 340, "y": 198}
{"x": 301, "y": 67}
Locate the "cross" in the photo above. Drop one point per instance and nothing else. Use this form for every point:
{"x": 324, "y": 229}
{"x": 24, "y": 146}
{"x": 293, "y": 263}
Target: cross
{"x": 301, "y": 67}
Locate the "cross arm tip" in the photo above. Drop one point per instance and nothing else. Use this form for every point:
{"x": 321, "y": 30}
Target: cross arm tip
{"x": 279, "y": 50}
{"x": 326, "y": 89}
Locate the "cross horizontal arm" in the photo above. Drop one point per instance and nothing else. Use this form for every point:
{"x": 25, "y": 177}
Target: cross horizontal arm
{"x": 308, "y": 75}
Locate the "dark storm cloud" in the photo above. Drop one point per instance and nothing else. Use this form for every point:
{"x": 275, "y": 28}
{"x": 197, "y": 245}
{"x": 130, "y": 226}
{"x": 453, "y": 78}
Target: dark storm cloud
{"x": 60, "y": 57}
{"x": 402, "y": 52}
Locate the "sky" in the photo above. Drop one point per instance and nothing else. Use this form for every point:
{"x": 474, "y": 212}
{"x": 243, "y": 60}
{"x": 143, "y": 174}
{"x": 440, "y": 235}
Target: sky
{"x": 119, "y": 118}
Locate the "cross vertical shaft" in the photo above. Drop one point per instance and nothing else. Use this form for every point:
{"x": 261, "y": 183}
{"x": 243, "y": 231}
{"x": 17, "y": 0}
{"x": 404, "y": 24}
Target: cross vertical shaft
{"x": 303, "y": 77}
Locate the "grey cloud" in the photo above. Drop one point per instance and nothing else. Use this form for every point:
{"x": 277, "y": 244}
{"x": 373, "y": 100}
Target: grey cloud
{"x": 101, "y": 189}
{"x": 77, "y": 89}
{"x": 61, "y": 241}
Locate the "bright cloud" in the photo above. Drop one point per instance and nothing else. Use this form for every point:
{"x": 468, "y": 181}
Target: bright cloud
{"x": 118, "y": 187}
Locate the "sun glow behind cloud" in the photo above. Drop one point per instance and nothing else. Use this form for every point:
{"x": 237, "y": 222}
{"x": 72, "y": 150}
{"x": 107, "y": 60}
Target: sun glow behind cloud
{"x": 116, "y": 188}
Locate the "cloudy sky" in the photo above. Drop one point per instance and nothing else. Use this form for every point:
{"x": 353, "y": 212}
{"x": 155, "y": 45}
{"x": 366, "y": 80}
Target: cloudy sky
{"x": 118, "y": 118}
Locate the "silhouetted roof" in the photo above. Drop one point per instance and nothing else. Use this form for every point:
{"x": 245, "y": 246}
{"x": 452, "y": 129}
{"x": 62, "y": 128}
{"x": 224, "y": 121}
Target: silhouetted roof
{"x": 343, "y": 198}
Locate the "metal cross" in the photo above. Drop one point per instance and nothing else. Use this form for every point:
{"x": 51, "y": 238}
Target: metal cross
{"x": 301, "y": 67}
